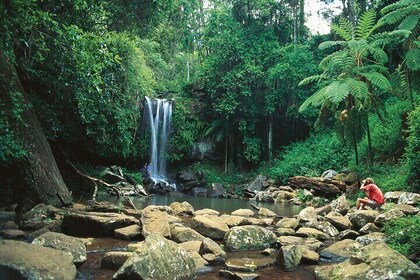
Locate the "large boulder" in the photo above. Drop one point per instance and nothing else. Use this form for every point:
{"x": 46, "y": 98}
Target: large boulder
{"x": 339, "y": 221}
{"x": 156, "y": 222}
{"x": 341, "y": 205}
{"x": 289, "y": 257}
{"x": 95, "y": 224}
{"x": 257, "y": 185}
{"x": 243, "y": 213}
{"x": 307, "y": 215}
{"x": 182, "y": 208}
{"x": 212, "y": 252}
{"x": 39, "y": 217}
{"x": 264, "y": 196}
{"x": 133, "y": 232}
{"x": 311, "y": 232}
{"x": 265, "y": 212}
{"x": 250, "y": 237}
{"x": 206, "y": 211}
{"x": 291, "y": 223}
{"x": 181, "y": 234}
{"x": 360, "y": 218}
{"x": 341, "y": 250}
{"x": 371, "y": 238}
{"x": 388, "y": 216}
{"x": 216, "y": 190}
{"x": 409, "y": 198}
{"x": 20, "y": 260}
{"x": 392, "y": 196}
{"x": 374, "y": 261}
{"x": 64, "y": 243}
{"x": 308, "y": 242}
{"x": 233, "y": 221}
{"x": 210, "y": 226}
{"x": 158, "y": 258}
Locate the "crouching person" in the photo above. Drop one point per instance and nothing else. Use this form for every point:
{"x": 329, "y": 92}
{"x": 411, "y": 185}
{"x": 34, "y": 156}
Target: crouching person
{"x": 374, "y": 198}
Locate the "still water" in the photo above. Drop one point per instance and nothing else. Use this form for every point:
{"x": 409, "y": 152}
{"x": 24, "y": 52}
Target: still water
{"x": 223, "y": 205}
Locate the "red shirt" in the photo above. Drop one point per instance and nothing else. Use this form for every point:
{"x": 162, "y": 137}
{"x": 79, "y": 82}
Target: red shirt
{"x": 374, "y": 193}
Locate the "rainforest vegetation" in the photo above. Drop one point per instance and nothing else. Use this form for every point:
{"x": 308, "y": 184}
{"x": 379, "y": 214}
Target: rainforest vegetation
{"x": 246, "y": 75}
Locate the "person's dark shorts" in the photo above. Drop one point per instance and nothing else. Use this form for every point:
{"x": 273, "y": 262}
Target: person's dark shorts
{"x": 373, "y": 204}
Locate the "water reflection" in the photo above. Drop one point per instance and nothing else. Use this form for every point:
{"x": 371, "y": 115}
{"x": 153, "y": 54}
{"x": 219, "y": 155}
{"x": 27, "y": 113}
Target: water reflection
{"x": 219, "y": 204}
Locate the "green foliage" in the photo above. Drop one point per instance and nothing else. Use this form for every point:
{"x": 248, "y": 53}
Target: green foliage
{"x": 318, "y": 153}
{"x": 403, "y": 235}
{"x": 412, "y": 151}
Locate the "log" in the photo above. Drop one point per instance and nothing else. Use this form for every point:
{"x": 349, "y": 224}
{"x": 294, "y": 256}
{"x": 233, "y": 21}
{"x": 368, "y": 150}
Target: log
{"x": 322, "y": 187}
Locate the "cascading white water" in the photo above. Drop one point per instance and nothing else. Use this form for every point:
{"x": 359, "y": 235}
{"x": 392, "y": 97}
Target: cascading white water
{"x": 160, "y": 130}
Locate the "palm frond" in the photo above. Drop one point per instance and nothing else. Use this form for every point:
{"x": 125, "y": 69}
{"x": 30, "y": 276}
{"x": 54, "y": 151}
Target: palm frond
{"x": 378, "y": 80}
{"x": 413, "y": 59}
{"x": 329, "y": 44}
{"x": 315, "y": 99}
{"x": 366, "y": 25}
{"x": 309, "y": 80}
{"x": 344, "y": 29}
{"x": 409, "y": 22}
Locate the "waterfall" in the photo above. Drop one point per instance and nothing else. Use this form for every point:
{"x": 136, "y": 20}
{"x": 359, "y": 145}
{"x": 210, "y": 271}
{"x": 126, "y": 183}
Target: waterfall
{"x": 159, "y": 115}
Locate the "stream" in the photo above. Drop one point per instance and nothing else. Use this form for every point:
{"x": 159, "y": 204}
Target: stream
{"x": 91, "y": 269}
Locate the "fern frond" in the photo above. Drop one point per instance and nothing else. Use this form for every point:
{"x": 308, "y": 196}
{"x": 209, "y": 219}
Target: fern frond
{"x": 326, "y": 60}
{"x": 329, "y": 44}
{"x": 366, "y": 25}
{"x": 337, "y": 92}
{"x": 378, "y": 80}
{"x": 357, "y": 88}
{"x": 344, "y": 29}
{"x": 413, "y": 59}
{"x": 399, "y": 82}
{"x": 396, "y": 16}
{"x": 378, "y": 54}
{"x": 310, "y": 79}
{"x": 409, "y": 22}
{"x": 315, "y": 99}
{"x": 399, "y": 5}
{"x": 372, "y": 68}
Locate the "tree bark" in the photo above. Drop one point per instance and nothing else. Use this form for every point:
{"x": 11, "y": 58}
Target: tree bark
{"x": 270, "y": 137}
{"x": 40, "y": 180}
{"x": 320, "y": 186}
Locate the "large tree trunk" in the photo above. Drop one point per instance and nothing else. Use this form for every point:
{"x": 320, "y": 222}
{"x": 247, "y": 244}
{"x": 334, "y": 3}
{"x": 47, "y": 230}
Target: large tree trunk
{"x": 39, "y": 178}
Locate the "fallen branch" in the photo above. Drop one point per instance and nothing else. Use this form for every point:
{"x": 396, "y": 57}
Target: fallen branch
{"x": 115, "y": 188}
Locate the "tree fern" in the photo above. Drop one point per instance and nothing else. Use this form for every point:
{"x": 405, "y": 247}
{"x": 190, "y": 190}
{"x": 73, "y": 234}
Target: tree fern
{"x": 378, "y": 80}
{"x": 315, "y": 99}
{"x": 378, "y": 54}
{"x": 399, "y": 5}
{"x": 326, "y": 60}
{"x": 356, "y": 88}
{"x": 413, "y": 59}
{"x": 344, "y": 29}
{"x": 309, "y": 80}
{"x": 329, "y": 44}
{"x": 366, "y": 25}
{"x": 337, "y": 92}
{"x": 397, "y": 15}
{"x": 410, "y": 22}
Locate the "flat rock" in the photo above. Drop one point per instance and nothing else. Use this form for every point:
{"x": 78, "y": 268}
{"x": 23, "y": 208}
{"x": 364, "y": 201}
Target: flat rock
{"x": 238, "y": 275}
{"x": 360, "y": 218}
{"x": 310, "y": 242}
{"x": 156, "y": 222}
{"x": 390, "y": 215}
{"x": 243, "y": 213}
{"x": 288, "y": 223}
{"x": 266, "y": 212}
{"x": 191, "y": 246}
{"x": 369, "y": 228}
{"x": 206, "y": 211}
{"x": 114, "y": 260}
{"x": 232, "y": 220}
{"x": 210, "y": 226}
{"x": 182, "y": 208}
{"x": 242, "y": 238}
{"x": 348, "y": 234}
{"x": 341, "y": 250}
{"x": 132, "y": 232}
{"x": 182, "y": 234}
{"x": 339, "y": 221}
{"x": 371, "y": 238}
{"x": 13, "y": 234}
{"x": 311, "y": 232}
{"x": 284, "y": 231}
{"x": 21, "y": 260}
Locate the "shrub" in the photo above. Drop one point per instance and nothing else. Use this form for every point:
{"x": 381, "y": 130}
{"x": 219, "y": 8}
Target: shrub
{"x": 318, "y": 153}
{"x": 403, "y": 235}
{"x": 412, "y": 154}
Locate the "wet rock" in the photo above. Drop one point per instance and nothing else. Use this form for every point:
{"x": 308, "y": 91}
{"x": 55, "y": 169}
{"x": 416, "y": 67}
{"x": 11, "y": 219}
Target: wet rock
{"x": 29, "y": 261}
{"x": 288, "y": 223}
{"x": 216, "y": 190}
{"x": 371, "y": 238}
{"x": 134, "y": 247}
{"x": 159, "y": 208}
{"x": 159, "y": 258}
{"x": 191, "y": 246}
{"x": 182, "y": 234}
{"x": 200, "y": 262}
{"x": 308, "y": 256}
{"x": 264, "y": 196}
{"x": 289, "y": 257}
{"x": 6, "y": 216}
{"x": 133, "y": 232}
{"x": 266, "y": 212}
{"x": 199, "y": 192}
{"x": 258, "y": 222}
{"x": 340, "y": 250}
{"x": 64, "y": 243}
{"x": 360, "y": 218}
{"x": 269, "y": 252}
{"x": 243, "y": 238}
{"x": 210, "y": 226}
{"x": 376, "y": 261}
{"x": 409, "y": 198}
{"x": 311, "y": 232}
{"x": 339, "y": 221}
{"x": 114, "y": 260}
{"x": 311, "y": 243}
{"x": 388, "y": 216}
{"x": 8, "y": 225}
{"x": 348, "y": 234}
{"x": 206, "y": 211}
{"x": 95, "y": 224}
{"x": 284, "y": 196}
{"x": 341, "y": 205}
{"x": 182, "y": 208}
{"x": 155, "y": 222}
{"x": 243, "y": 213}
{"x": 249, "y": 261}
{"x": 103, "y": 206}
{"x": 256, "y": 185}
{"x": 185, "y": 176}
{"x": 40, "y": 216}
{"x": 237, "y": 275}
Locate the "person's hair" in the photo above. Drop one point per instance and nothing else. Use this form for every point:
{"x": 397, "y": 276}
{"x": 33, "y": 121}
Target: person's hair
{"x": 369, "y": 181}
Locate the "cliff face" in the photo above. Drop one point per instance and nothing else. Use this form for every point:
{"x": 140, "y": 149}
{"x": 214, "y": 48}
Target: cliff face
{"x": 39, "y": 179}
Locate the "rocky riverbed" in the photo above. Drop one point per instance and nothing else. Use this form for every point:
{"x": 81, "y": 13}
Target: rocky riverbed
{"x": 104, "y": 241}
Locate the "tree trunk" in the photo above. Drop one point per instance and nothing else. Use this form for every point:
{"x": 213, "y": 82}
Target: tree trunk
{"x": 270, "y": 137}
{"x": 369, "y": 141}
{"x": 39, "y": 176}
